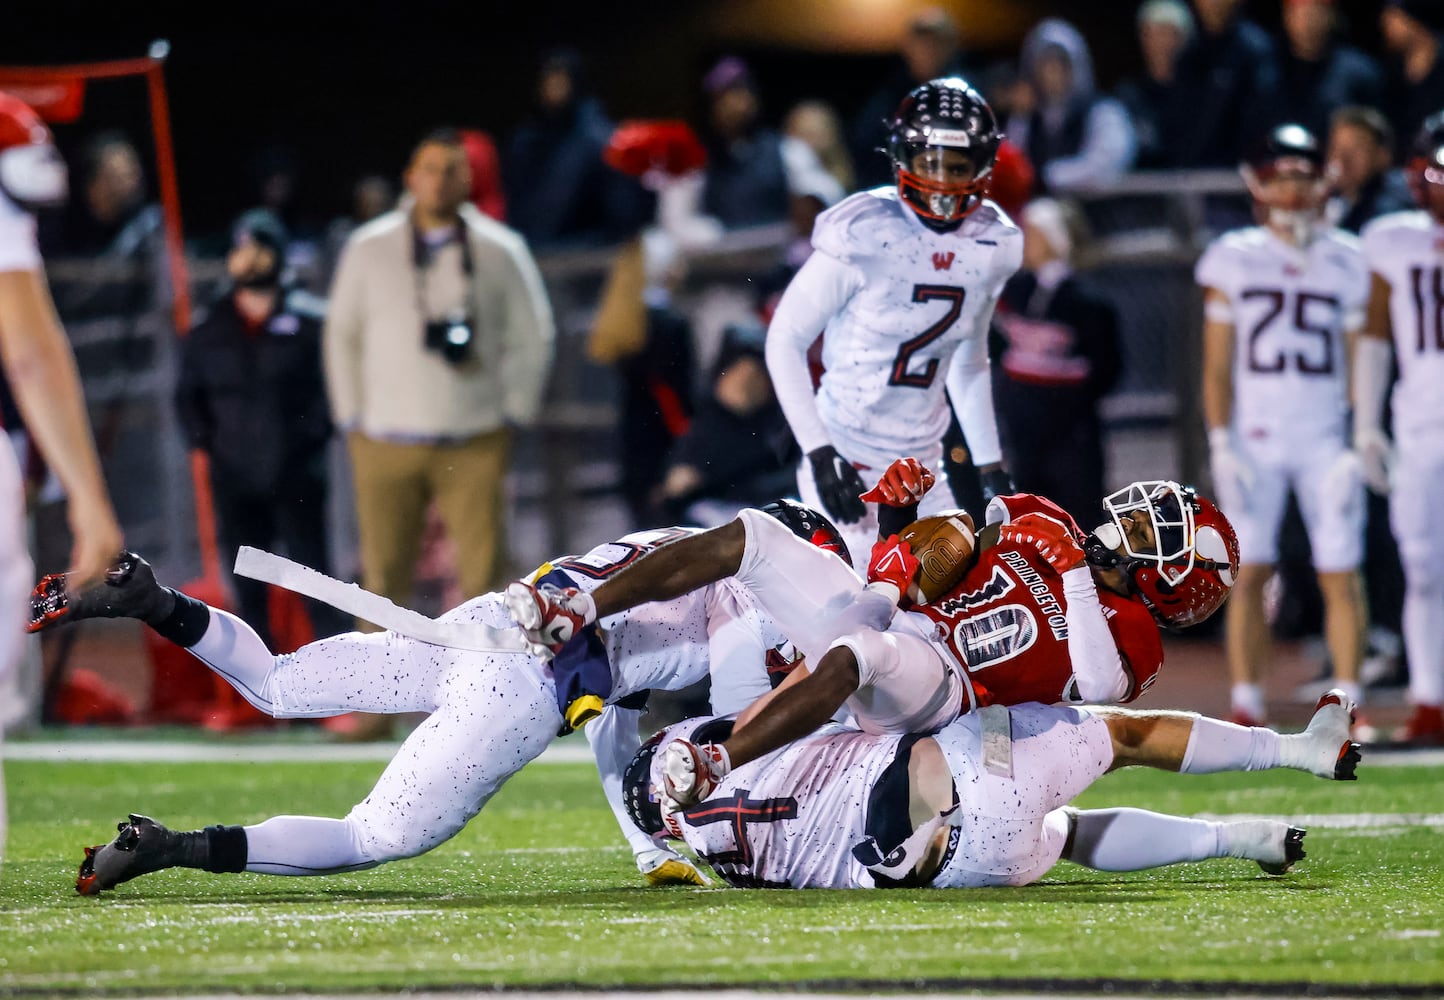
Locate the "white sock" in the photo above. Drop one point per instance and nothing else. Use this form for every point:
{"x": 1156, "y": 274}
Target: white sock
{"x": 232, "y": 649}
{"x": 1424, "y": 641}
{"x": 1353, "y": 689}
{"x": 1125, "y": 840}
{"x": 1215, "y": 745}
{"x": 1249, "y": 699}
{"x": 304, "y": 845}
{"x": 1254, "y": 839}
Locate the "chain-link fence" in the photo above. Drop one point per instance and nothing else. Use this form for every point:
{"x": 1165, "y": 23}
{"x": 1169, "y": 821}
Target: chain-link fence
{"x": 1145, "y": 235}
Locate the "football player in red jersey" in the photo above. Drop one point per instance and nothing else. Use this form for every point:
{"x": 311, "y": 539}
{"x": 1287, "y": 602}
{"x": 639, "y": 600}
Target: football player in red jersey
{"x": 41, "y": 370}
{"x": 1036, "y": 619}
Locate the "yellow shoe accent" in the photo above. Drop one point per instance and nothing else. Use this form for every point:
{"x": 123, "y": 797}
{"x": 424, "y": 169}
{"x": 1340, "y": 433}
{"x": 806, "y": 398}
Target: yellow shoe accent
{"x": 584, "y": 710}
{"x": 675, "y": 873}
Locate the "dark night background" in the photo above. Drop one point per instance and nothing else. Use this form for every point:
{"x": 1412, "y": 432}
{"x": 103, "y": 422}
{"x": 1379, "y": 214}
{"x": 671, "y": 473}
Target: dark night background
{"x": 348, "y": 88}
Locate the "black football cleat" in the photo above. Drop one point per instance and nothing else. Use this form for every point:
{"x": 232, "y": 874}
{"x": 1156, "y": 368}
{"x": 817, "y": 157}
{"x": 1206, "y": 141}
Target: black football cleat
{"x": 1293, "y": 853}
{"x": 128, "y": 590}
{"x": 140, "y": 847}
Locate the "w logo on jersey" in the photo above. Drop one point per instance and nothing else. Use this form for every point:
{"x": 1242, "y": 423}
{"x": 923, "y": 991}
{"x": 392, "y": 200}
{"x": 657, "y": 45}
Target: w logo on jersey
{"x": 943, "y": 261}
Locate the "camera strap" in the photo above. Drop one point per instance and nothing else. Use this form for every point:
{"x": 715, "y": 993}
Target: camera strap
{"x": 422, "y": 255}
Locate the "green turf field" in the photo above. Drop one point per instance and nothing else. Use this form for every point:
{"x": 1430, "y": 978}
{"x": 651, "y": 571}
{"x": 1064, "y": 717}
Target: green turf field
{"x": 540, "y": 890}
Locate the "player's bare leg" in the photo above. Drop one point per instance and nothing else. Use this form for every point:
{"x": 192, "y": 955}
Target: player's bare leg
{"x": 1196, "y": 744}
{"x": 1247, "y": 641}
{"x": 1345, "y": 615}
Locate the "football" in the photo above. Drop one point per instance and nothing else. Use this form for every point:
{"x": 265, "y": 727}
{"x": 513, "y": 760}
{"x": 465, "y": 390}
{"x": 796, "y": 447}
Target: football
{"x": 945, "y": 545}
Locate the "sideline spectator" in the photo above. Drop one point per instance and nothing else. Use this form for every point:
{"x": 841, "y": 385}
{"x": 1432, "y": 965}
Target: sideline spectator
{"x": 1074, "y": 137}
{"x": 113, "y": 224}
{"x": 1318, "y": 72}
{"x": 1411, "y": 31}
{"x": 816, "y": 123}
{"x": 558, "y": 190}
{"x": 252, "y": 397}
{"x": 1055, "y": 351}
{"x": 1361, "y": 151}
{"x": 928, "y": 50}
{"x": 738, "y": 451}
{"x": 1229, "y": 79}
{"x": 371, "y": 196}
{"x": 437, "y": 344}
{"x": 1155, "y": 100}
{"x": 755, "y": 175}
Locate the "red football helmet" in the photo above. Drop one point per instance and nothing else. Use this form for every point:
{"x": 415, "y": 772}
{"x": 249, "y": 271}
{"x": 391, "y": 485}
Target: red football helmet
{"x": 32, "y": 174}
{"x": 1184, "y": 577}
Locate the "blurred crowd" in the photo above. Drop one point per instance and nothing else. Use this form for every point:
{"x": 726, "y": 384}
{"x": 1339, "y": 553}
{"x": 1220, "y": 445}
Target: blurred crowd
{"x": 450, "y": 247}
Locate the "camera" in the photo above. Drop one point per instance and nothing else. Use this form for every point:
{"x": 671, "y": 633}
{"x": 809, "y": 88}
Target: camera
{"x": 450, "y": 337}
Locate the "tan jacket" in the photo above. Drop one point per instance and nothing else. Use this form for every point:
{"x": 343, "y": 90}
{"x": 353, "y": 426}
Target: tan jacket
{"x": 384, "y": 382}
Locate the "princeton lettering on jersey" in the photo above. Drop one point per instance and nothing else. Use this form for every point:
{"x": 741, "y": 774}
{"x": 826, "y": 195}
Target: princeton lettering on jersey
{"x": 1042, "y": 593}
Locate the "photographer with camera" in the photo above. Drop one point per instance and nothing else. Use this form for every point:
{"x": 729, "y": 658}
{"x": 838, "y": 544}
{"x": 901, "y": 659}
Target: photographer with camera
{"x": 437, "y": 342}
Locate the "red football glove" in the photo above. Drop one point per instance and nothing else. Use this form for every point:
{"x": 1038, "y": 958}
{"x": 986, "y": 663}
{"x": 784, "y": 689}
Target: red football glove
{"x": 893, "y": 562}
{"x": 905, "y": 482}
{"x": 1051, "y": 537}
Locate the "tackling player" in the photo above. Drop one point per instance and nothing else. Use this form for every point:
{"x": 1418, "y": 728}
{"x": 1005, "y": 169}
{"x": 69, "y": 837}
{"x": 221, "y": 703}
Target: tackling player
{"x": 1283, "y": 302}
{"x": 902, "y": 285}
{"x": 1405, "y": 253}
{"x": 1046, "y": 614}
{"x": 845, "y": 810}
{"x": 41, "y": 371}
{"x": 489, "y": 713}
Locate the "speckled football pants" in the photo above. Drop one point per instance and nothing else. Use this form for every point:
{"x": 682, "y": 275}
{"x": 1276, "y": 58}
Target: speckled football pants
{"x": 490, "y": 713}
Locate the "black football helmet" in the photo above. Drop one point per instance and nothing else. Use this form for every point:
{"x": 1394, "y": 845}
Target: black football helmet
{"x": 1288, "y": 151}
{"x": 809, "y": 525}
{"x": 1425, "y": 169}
{"x": 943, "y": 114}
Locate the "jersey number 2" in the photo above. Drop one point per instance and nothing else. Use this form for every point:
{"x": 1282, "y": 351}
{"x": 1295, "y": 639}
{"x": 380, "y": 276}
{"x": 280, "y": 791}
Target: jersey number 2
{"x": 921, "y": 379}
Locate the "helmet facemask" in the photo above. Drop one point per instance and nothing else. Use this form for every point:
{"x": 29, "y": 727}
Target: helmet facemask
{"x": 1288, "y": 195}
{"x": 925, "y": 184}
{"x": 1170, "y": 514}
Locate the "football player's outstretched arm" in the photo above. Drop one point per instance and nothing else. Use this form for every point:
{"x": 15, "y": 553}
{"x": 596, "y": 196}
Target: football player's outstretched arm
{"x": 42, "y": 373}
{"x": 1371, "y": 373}
{"x": 796, "y": 709}
{"x": 674, "y": 569}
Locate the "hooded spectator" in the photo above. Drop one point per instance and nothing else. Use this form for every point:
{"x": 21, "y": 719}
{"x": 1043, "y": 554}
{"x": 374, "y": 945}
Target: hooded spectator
{"x": 1411, "y": 32}
{"x": 1074, "y": 137}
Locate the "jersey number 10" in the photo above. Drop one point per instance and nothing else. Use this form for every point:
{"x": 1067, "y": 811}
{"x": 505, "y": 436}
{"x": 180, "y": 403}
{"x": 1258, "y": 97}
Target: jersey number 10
{"x": 1435, "y": 309}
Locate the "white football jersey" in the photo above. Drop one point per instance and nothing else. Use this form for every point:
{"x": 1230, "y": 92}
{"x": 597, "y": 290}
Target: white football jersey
{"x": 792, "y": 818}
{"x": 1291, "y": 307}
{"x": 922, "y": 298}
{"x": 1406, "y": 249}
{"x": 668, "y": 645}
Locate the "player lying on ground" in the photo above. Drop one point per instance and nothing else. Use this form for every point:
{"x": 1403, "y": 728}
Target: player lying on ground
{"x": 1045, "y": 614}
{"x": 842, "y": 809}
{"x": 489, "y": 713}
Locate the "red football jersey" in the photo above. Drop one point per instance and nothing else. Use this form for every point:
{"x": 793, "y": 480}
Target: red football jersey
{"x": 1005, "y": 624}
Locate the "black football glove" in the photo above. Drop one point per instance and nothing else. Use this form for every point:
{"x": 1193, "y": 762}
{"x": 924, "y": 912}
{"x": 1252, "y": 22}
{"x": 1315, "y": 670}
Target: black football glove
{"x": 995, "y": 482}
{"x": 839, "y": 485}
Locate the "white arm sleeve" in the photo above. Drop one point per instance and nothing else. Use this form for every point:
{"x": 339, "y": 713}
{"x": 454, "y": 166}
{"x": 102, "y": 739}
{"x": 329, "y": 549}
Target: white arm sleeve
{"x": 1097, "y": 668}
{"x": 970, "y": 386}
{"x": 735, "y": 648}
{"x": 816, "y": 293}
{"x": 614, "y": 740}
{"x": 1371, "y": 384}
